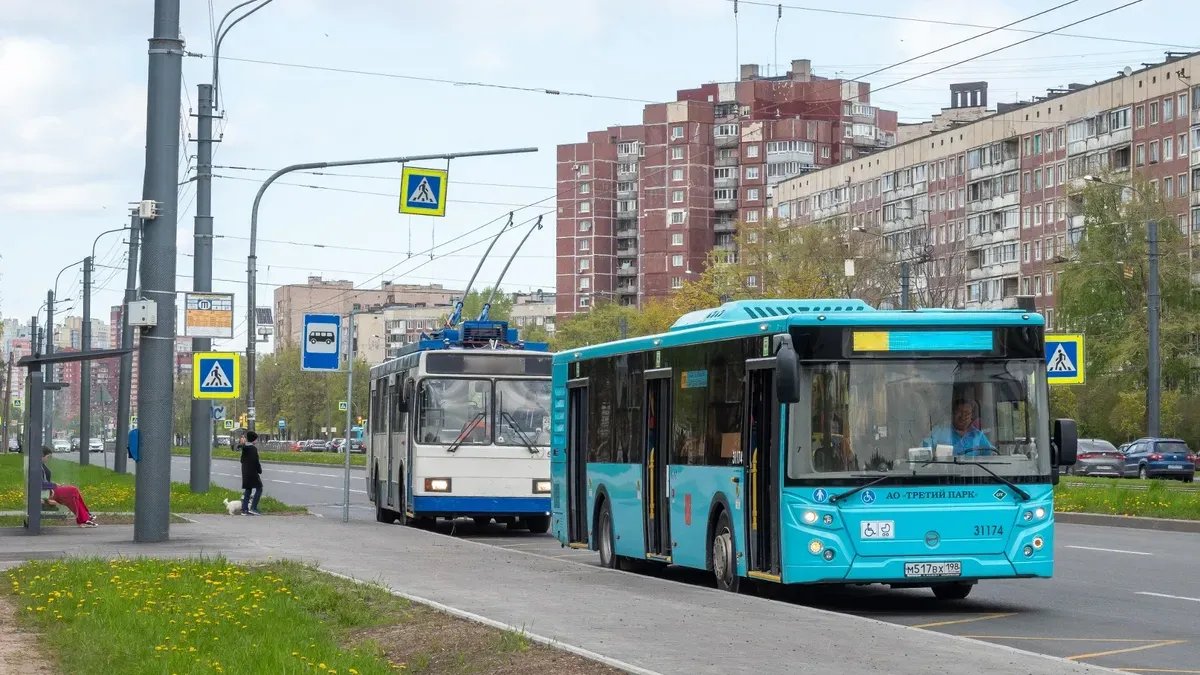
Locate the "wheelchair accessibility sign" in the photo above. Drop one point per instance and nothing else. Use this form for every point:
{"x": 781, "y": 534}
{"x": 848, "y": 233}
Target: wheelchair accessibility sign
{"x": 1064, "y": 359}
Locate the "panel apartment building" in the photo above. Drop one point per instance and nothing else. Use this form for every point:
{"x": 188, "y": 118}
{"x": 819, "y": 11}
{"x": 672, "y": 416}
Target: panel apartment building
{"x": 999, "y": 190}
{"x": 641, "y": 206}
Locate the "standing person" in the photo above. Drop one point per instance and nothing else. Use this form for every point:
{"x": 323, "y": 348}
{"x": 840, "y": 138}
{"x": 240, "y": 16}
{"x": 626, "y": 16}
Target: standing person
{"x": 67, "y": 495}
{"x": 251, "y": 476}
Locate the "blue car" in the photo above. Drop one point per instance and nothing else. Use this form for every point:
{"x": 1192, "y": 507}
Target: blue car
{"x": 1160, "y": 458}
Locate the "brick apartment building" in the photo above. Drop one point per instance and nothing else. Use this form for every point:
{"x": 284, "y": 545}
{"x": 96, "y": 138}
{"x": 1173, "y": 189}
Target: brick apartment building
{"x": 999, "y": 190}
{"x": 641, "y": 206}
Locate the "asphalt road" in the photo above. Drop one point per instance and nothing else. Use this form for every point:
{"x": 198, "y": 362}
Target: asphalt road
{"x": 1122, "y": 598}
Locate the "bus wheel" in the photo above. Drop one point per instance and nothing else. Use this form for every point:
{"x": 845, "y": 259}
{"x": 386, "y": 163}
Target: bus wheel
{"x": 604, "y": 535}
{"x": 952, "y": 591}
{"x": 382, "y": 514}
{"x": 538, "y": 524}
{"x": 724, "y": 559}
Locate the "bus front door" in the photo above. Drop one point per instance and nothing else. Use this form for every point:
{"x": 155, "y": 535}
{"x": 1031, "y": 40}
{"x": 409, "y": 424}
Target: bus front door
{"x": 577, "y": 435}
{"x": 760, "y": 437}
{"x": 656, "y": 495}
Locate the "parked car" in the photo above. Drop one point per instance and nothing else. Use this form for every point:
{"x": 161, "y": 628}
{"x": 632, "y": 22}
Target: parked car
{"x": 61, "y": 445}
{"x": 357, "y": 445}
{"x": 95, "y": 445}
{"x": 313, "y": 445}
{"x": 1160, "y": 458}
{"x": 1098, "y": 457}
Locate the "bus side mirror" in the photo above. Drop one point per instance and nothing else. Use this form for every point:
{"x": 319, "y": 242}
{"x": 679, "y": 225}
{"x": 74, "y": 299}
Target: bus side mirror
{"x": 787, "y": 370}
{"x": 1066, "y": 440}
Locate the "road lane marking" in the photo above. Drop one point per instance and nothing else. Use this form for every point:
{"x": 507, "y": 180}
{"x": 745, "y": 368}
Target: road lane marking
{"x": 986, "y": 617}
{"x": 1153, "y": 645}
{"x": 1164, "y": 595}
{"x": 1052, "y": 639}
{"x": 1159, "y": 670}
{"x": 1109, "y": 550}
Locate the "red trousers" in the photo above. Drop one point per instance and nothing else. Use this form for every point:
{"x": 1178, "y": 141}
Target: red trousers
{"x": 68, "y": 496}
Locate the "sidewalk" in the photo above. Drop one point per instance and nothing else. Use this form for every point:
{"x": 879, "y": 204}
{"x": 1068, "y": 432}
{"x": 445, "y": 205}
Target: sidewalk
{"x": 650, "y": 623}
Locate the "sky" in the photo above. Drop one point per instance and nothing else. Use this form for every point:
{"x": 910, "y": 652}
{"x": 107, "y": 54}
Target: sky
{"x": 73, "y": 100}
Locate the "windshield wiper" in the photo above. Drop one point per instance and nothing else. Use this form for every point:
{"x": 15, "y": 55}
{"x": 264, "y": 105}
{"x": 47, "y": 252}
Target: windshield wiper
{"x": 839, "y": 497}
{"x": 984, "y": 465}
{"x": 463, "y": 433}
{"x": 504, "y": 415}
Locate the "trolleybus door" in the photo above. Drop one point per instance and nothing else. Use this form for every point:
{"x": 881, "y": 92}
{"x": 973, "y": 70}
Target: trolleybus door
{"x": 656, "y": 493}
{"x": 761, "y": 458}
{"x": 393, "y": 485}
{"x": 577, "y": 437}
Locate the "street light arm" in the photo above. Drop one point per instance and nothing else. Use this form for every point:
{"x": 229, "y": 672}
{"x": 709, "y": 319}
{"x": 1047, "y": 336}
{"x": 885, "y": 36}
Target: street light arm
{"x": 59, "y": 275}
{"x": 97, "y": 239}
{"x": 220, "y": 37}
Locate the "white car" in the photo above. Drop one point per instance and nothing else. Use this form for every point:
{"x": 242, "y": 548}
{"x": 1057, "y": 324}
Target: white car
{"x": 95, "y": 445}
{"x": 61, "y": 445}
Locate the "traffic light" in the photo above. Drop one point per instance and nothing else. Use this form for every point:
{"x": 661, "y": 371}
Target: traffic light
{"x": 243, "y": 421}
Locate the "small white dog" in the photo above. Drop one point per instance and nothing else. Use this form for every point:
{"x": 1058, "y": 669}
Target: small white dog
{"x": 233, "y": 507}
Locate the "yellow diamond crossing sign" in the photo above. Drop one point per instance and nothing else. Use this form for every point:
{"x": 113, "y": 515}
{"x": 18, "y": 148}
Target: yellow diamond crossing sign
{"x": 423, "y": 191}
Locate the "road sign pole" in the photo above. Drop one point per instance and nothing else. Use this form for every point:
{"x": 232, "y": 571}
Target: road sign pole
{"x": 349, "y": 405}
{"x": 152, "y": 508}
{"x": 125, "y": 386}
{"x": 85, "y": 369}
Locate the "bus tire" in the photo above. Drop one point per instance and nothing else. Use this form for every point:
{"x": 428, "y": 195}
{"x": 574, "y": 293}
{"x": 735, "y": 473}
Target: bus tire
{"x": 383, "y": 514}
{"x": 538, "y": 524}
{"x": 604, "y": 537}
{"x": 956, "y": 590}
{"x": 724, "y": 556}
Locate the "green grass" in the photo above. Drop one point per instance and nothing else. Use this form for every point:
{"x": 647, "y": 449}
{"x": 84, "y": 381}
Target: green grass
{"x": 109, "y": 492}
{"x": 1124, "y": 497}
{"x": 200, "y": 616}
{"x": 286, "y": 457}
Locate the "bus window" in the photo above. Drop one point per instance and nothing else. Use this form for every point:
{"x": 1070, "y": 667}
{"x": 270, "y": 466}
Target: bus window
{"x": 455, "y": 411}
{"x": 523, "y": 412}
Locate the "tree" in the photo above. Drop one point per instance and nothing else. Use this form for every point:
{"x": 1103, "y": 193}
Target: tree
{"x": 534, "y": 333}
{"x": 604, "y": 323}
{"x": 473, "y": 304}
{"x": 938, "y": 275}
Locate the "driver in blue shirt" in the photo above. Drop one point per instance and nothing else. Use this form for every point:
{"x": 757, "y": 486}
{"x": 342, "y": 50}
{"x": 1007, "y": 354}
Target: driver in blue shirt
{"x": 962, "y": 433}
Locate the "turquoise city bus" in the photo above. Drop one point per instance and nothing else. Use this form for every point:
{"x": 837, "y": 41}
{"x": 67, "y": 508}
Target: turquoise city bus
{"x": 814, "y": 442}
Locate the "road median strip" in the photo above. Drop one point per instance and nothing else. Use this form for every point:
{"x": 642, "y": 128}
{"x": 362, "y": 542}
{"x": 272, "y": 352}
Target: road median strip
{"x": 298, "y": 458}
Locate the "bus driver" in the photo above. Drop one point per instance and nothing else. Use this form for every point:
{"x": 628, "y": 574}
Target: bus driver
{"x": 963, "y": 433}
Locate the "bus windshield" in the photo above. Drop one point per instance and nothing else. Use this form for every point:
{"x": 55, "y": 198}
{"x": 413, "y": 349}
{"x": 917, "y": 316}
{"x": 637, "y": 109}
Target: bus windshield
{"x": 523, "y": 412}
{"x": 455, "y": 411}
{"x": 929, "y": 418}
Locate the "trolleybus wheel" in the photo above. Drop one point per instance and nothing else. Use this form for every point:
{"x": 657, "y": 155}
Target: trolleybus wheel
{"x": 383, "y": 514}
{"x": 604, "y": 534}
{"x": 538, "y": 524}
{"x": 724, "y": 560}
{"x": 952, "y": 591}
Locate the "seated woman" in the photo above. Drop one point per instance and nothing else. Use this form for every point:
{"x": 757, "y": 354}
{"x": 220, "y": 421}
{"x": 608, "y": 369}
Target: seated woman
{"x": 67, "y": 495}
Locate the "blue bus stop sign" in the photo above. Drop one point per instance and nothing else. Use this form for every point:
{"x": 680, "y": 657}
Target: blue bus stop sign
{"x": 321, "y": 342}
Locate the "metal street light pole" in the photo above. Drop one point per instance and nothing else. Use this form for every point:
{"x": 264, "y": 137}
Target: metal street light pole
{"x": 125, "y": 384}
{"x": 1153, "y": 365}
{"x": 48, "y": 424}
{"x": 85, "y": 367}
{"x": 252, "y": 259}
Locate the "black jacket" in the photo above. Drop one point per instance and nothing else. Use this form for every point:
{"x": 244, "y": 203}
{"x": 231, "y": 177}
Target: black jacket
{"x": 251, "y": 468}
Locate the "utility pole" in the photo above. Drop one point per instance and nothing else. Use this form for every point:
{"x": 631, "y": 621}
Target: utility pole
{"x": 125, "y": 385}
{"x": 152, "y": 506}
{"x": 85, "y": 368}
{"x": 7, "y": 405}
{"x": 1154, "y": 374}
{"x": 200, "y": 454}
{"x": 48, "y": 372}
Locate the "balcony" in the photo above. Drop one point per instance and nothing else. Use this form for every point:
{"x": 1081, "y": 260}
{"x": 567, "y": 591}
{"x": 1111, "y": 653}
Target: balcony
{"x": 627, "y": 194}
{"x": 631, "y": 152}
{"x": 627, "y": 271}
{"x": 625, "y": 232}
{"x": 1194, "y": 198}
{"x": 730, "y": 246}
{"x": 730, "y": 182}
{"x": 629, "y": 172}
{"x": 726, "y": 161}
{"x": 726, "y": 141}
{"x": 630, "y": 252}
{"x": 1006, "y": 166}
{"x": 725, "y": 226}
{"x": 627, "y": 289}
{"x": 725, "y": 204}
{"x": 627, "y": 215}
{"x": 1195, "y": 115}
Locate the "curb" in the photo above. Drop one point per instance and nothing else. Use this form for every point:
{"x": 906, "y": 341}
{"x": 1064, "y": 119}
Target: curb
{"x": 1136, "y": 522}
{"x": 269, "y": 461}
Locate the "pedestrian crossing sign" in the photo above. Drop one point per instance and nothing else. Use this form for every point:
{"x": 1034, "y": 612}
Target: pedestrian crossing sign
{"x": 423, "y": 191}
{"x": 216, "y": 375}
{"x": 1064, "y": 359}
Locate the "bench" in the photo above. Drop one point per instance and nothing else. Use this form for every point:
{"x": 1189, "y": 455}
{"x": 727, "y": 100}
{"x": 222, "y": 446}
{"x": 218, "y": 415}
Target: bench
{"x": 52, "y": 509}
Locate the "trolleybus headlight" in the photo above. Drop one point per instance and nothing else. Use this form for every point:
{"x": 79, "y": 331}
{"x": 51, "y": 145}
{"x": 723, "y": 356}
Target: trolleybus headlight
{"x": 828, "y": 519}
{"x": 829, "y": 553}
{"x": 541, "y": 487}
{"x": 437, "y": 484}
{"x": 1038, "y": 543}
{"x": 815, "y": 546}
{"x": 810, "y": 517}
{"x": 1028, "y": 551}
{"x": 1028, "y": 516}
{"x": 1039, "y": 513}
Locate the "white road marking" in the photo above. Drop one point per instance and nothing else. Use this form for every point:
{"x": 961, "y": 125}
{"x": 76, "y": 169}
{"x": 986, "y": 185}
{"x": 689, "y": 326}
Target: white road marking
{"x": 1164, "y": 595}
{"x": 1109, "y": 550}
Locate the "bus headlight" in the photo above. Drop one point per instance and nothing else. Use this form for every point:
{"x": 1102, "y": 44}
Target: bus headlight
{"x": 815, "y": 546}
{"x": 1039, "y": 512}
{"x": 810, "y": 517}
{"x": 541, "y": 487}
{"x": 437, "y": 484}
{"x": 1038, "y": 543}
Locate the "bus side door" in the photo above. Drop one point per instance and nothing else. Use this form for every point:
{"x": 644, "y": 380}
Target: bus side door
{"x": 761, "y": 434}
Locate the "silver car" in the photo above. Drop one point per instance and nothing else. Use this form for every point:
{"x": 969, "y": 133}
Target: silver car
{"x": 1098, "y": 457}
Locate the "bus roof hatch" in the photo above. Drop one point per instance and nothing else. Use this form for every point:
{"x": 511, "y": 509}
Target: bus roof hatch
{"x": 745, "y": 310}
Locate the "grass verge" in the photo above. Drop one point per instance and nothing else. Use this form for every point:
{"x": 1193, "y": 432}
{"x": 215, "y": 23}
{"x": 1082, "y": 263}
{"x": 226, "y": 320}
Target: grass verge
{"x": 286, "y": 457}
{"x": 109, "y": 492}
{"x": 67, "y": 520}
{"x": 211, "y": 616}
{"x": 1124, "y": 497}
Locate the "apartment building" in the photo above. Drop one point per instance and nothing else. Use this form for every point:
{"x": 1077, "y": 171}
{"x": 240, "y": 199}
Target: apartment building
{"x": 999, "y": 190}
{"x": 641, "y": 206}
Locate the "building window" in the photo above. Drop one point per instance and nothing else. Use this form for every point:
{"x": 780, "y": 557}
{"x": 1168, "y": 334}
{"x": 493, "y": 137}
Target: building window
{"x": 676, "y": 282}
{"x": 677, "y": 260}
{"x": 677, "y": 152}
{"x": 1026, "y": 217}
{"x": 1181, "y": 141}
{"x": 1060, "y": 136}
{"x": 1183, "y": 185}
{"x": 585, "y": 188}
{"x": 1154, "y": 112}
{"x": 585, "y": 225}
{"x": 1168, "y": 109}
{"x": 1037, "y": 144}
{"x": 585, "y": 301}
{"x": 752, "y": 216}
{"x": 1168, "y": 148}
{"x": 1183, "y": 105}
{"x": 752, "y": 151}
{"x": 1139, "y": 116}
{"x": 752, "y": 195}
{"x": 676, "y": 196}
{"x": 677, "y": 239}
{"x": 752, "y": 281}
{"x": 1049, "y": 318}
{"x": 1062, "y": 173}
{"x": 752, "y": 173}
{"x": 1028, "y": 146}
{"x": 1168, "y": 184}
{"x": 585, "y": 244}
{"x": 677, "y": 217}
{"x": 724, "y": 194}
{"x": 1026, "y": 182}
{"x": 676, "y": 132}
{"x": 1139, "y": 154}
{"x": 824, "y": 152}
{"x": 1025, "y": 252}
{"x": 627, "y": 186}
{"x": 1037, "y": 214}
{"x": 725, "y": 130}
{"x": 585, "y": 264}
{"x": 676, "y": 175}
{"x": 1154, "y": 157}
{"x": 1037, "y": 179}
{"x": 585, "y": 283}
{"x": 583, "y": 169}
{"x": 585, "y": 207}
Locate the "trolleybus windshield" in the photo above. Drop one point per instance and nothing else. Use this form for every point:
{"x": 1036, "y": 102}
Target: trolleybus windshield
{"x": 523, "y": 412}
